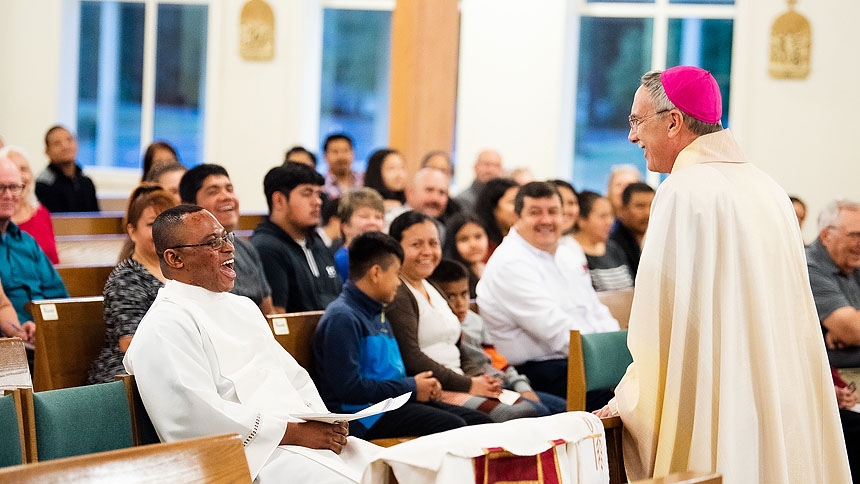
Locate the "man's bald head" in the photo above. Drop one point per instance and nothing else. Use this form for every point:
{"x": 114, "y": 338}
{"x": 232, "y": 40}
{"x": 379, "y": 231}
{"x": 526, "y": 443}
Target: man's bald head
{"x": 429, "y": 192}
{"x": 168, "y": 229}
{"x": 488, "y": 166}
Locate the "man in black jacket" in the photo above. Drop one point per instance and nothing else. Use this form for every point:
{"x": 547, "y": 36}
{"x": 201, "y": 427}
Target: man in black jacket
{"x": 299, "y": 267}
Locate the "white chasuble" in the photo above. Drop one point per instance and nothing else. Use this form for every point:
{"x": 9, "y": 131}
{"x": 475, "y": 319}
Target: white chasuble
{"x": 729, "y": 371}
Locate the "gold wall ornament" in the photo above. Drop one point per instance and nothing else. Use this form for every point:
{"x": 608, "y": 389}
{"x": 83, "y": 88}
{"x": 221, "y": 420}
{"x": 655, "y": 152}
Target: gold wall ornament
{"x": 257, "y": 31}
{"x": 790, "y": 45}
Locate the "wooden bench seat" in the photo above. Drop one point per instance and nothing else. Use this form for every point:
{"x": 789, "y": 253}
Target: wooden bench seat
{"x": 619, "y": 303}
{"x": 85, "y": 280}
{"x": 219, "y": 459}
{"x": 14, "y": 369}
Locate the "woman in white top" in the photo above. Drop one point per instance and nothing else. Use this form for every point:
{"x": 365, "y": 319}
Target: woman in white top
{"x": 428, "y": 332}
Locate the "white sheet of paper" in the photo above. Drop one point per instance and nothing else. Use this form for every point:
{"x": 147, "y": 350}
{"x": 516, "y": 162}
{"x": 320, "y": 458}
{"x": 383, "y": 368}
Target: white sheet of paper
{"x": 383, "y": 406}
{"x": 509, "y": 397}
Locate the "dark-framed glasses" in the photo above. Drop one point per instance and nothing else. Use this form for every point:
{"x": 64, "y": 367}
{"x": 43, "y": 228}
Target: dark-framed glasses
{"x": 13, "y": 189}
{"x": 635, "y": 122}
{"x": 214, "y": 244}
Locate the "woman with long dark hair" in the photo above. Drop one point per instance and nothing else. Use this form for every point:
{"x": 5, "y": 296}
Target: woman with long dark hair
{"x": 386, "y": 173}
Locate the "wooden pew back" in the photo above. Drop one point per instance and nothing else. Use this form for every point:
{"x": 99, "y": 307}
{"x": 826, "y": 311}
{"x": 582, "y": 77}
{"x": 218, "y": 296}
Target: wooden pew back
{"x": 595, "y": 361}
{"x": 619, "y": 303}
{"x": 110, "y": 223}
{"x": 295, "y": 332}
{"x": 87, "y": 223}
{"x": 69, "y": 336}
{"x": 219, "y": 459}
{"x": 76, "y": 421}
{"x": 14, "y": 370}
{"x": 85, "y": 280}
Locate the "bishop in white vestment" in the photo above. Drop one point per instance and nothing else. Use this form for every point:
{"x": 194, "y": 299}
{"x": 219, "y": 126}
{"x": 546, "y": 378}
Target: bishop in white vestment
{"x": 729, "y": 370}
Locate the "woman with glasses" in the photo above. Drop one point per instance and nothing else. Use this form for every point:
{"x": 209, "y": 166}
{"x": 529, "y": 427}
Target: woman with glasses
{"x": 31, "y": 216}
{"x": 132, "y": 286}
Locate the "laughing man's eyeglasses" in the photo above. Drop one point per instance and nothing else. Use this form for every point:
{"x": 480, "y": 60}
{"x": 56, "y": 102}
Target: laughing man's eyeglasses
{"x": 215, "y": 243}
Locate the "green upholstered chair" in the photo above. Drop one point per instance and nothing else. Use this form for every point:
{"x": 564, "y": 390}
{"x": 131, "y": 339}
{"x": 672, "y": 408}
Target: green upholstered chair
{"x": 79, "y": 420}
{"x": 596, "y": 361}
{"x": 11, "y": 430}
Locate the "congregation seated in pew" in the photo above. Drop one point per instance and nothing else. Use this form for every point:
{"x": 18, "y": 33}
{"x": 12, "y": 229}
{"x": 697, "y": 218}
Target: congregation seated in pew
{"x": 452, "y": 279}
{"x": 357, "y": 359}
{"x": 428, "y": 332}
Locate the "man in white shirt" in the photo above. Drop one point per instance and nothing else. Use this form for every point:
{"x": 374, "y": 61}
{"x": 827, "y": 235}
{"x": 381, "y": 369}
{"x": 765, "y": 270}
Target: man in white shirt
{"x": 534, "y": 291}
{"x": 729, "y": 372}
{"x": 206, "y": 363}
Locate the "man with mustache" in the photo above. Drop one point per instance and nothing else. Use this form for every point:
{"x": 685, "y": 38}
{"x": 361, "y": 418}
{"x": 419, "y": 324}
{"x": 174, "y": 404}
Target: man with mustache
{"x": 535, "y": 290}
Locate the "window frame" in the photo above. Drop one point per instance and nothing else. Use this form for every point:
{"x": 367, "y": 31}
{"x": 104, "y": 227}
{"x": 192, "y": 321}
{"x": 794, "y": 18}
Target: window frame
{"x": 68, "y": 93}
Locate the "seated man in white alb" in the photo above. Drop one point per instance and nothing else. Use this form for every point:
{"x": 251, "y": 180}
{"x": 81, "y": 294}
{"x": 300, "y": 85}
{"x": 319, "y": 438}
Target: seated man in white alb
{"x": 534, "y": 291}
{"x": 206, "y": 363}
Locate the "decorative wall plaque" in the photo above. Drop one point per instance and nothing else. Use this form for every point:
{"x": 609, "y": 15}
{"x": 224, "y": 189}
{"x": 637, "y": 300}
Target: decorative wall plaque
{"x": 790, "y": 45}
{"x": 257, "y": 31}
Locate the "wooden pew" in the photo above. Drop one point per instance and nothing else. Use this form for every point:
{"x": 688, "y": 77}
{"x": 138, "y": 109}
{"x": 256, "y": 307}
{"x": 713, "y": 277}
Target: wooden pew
{"x": 595, "y": 361}
{"x": 619, "y": 303}
{"x": 13, "y": 443}
{"x": 295, "y": 332}
{"x": 85, "y": 280}
{"x": 76, "y": 421}
{"x": 69, "y": 336}
{"x": 90, "y": 250}
{"x": 14, "y": 370}
{"x": 613, "y": 429}
{"x": 219, "y": 459}
{"x": 111, "y": 223}
{"x": 87, "y": 223}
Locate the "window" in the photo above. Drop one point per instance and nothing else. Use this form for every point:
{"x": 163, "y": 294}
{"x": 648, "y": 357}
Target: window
{"x": 354, "y": 89}
{"x": 121, "y": 107}
{"x": 618, "y": 43}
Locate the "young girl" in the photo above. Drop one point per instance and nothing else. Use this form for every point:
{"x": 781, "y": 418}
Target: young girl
{"x": 466, "y": 242}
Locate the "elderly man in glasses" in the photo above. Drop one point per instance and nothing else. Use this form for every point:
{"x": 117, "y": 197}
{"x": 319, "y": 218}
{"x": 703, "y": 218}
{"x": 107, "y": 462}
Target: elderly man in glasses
{"x": 206, "y": 363}
{"x": 25, "y": 271}
{"x": 729, "y": 372}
